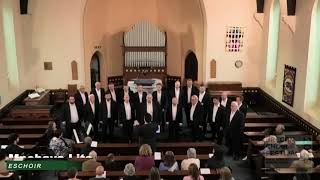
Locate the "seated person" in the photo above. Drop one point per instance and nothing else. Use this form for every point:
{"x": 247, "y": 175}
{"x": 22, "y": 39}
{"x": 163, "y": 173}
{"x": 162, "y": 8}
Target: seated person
{"x": 145, "y": 161}
{"x": 154, "y": 174}
{"x": 59, "y": 145}
{"x": 226, "y": 174}
{"x": 194, "y": 173}
{"x": 110, "y": 164}
{"x": 99, "y": 174}
{"x": 3, "y": 164}
{"x": 48, "y": 135}
{"x": 271, "y": 145}
{"x": 87, "y": 146}
{"x": 303, "y": 163}
{"x": 292, "y": 148}
{"x": 130, "y": 172}
{"x": 72, "y": 174}
{"x": 13, "y": 147}
{"x": 192, "y": 158}
{"x": 216, "y": 161}
{"x": 169, "y": 163}
{"x": 91, "y": 164}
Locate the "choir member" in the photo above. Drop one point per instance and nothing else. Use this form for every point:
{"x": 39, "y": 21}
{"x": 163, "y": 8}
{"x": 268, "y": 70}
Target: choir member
{"x": 216, "y": 117}
{"x": 196, "y": 118}
{"x": 92, "y": 115}
{"x": 71, "y": 117}
{"x": 204, "y": 99}
{"x": 109, "y": 116}
{"x": 176, "y": 92}
{"x": 225, "y": 101}
{"x": 127, "y": 116}
{"x": 98, "y": 93}
{"x": 160, "y": 97}
{"x": 243, "y": 107}
{"x": 81, "y": 98}
{"x": 174, "y": 118}
{"x": 188, "y": 92}
{"x": 125, "y": 90}
{"x": 234, "y": 125}
{"x": 150, "y": 107}
{"x": 113, "y": 92}
{"x": 139, "y": 101}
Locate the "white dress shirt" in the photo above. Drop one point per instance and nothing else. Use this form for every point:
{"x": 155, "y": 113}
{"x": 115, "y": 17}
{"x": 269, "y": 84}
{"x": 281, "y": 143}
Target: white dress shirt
{"x": 193, "y": 107}
{"x": 149, "y": 108}
{"x": 140, "y": 97}
{"x": 99, "y": 95}
{"x": 83, "y": 96}
{"x": 189, "y": 93}
{"x": 215, "y": 110}
{"x": 127, "y": 109}
{"x": 231, "y": 115}
{"x": 174, "y": 112}
{"x": 159, "y": 97}
{"x": 201, "y": 95}
{"x": 108, "y": 103}
{"x": 73, "y": 113}
{"x": 113, "y": 95}
{"x": 239, "y": 106}
{"x": 92, "y": 107}
{"x": 224, "y": 103}
{"x": 177, "y": 93}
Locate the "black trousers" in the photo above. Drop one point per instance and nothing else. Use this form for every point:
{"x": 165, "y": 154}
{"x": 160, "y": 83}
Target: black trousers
{"x": 107, "y": 130}
{"x": 173, "y": 130}
{"x": 128, "y": 129}
{"x": 195, "y": 131}
{"x": 70, "y": 127}
{"x": 187, "y": 109}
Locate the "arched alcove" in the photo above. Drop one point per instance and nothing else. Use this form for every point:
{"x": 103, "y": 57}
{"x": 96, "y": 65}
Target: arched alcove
{"x": 191, "y": 66}
{"x": 95, "y": 69}
{"x": 213, "y": 69}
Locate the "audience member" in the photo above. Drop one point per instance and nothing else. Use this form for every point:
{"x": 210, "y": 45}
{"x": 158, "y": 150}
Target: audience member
{"x": 226, "y": 174}
{"x": 72, "y": 174}
{"x": 303, "y": 163}
{"x": 169, "y": 163}
{"x": 13, "y": 147}
{"x": 48, "y": 135}
{"x": 145, "y": 161}
{"x": 110, "y": 164}
{"x": 85, "y": 150}
{"x": 271, "y": 145}
{"x": 194, "y": 173}
{"x": 192, "y": 158}
{"x": 154, "y": 174}
{"x": 130, "y": 172}
{"x": 99, "y": 174}
{"x": 217, "y": 160}
{"x": 292, "y": 148}
{"x": 3, "y": 165}
{"x": 91, "y": 164}
{"x": 58, "y": 145}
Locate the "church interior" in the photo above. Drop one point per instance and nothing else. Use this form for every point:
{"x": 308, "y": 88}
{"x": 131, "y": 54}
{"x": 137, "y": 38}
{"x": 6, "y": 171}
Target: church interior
{"x": 114, "y": 78}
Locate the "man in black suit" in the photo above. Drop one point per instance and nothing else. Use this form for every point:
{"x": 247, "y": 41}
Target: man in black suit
{"x": 174, "y": 118}
{"x": 196, "y": 118}
{"x": 176, "y": 92}
{"x": 225, "y": 101}
{"x": 139, "y": 101}
{"x": 147, "y": 132}
{"x": 160, "y": 96}
{"x": 204, "y": 99}
{"x": 123, "y": 91}
{"x": 243, "y": 107}
{"x": 234, "y": 125}
{"x": 216, "y": 117}
{"x": 127, "y": 117}
{"x": 71, "y": 117}
{"x": 150, "y": 107}
{"x": 98, "y": 93}
{"x": 188, "y": 92}
{"x": 92, "y": 114}
{"x": 81, "y": 97}
{"x": 115, "y": 97}
{"x": 109, "y": 114}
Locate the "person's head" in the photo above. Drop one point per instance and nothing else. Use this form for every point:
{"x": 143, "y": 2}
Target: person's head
{"x": 215, "y": 101}
{"x": 129, "y": 170}
{"x": 279, "y": 129}
{"x": 71, "y": 99}
{"x": 304, "y": 154}
{"x": 82, "y": 88}
{"x": 147, "y": 118}
{"x": 234, "y": 106}
{"x": 145, "y": 150}
{"x": 193, "y": 171}
{"x": 189, "y": 82}
{"x": 224, "y": 95}
{"x": 177, "y": 84}
{"x": 149, "y": 98}
{"x": 202, "y": 88}
{"x": 226, "y": 174}
{"x": 154, "y": 174}
{"x": 57, "y": 133}
{"x": 72, "y": 173}
{"x": 291, "y": 141}
{"x": 140, "y": 88}
{"x": 126, "y": 98}
{"x": 108, "y": 96}
{"x": 93, "y": 155}
{"x": 88, "y": 141}
{"x": 218, "y": 152}
{"x": 174, "y": 101}
{"x": 13, "y": 138}
{"x": 159, "y": 86}
{"x": 52, "y": 125}
{"x": 91, "y": 98}
{"x": 111, "y": 86}
{"x": 98, "y": 85}
{"x": 110, "y": 157}
{"x": 192, "y": 153}
{"x": 272, "y": 139}
{"x": 194, "y": 99}
{"x": 99, "y": 170}
{"x": 169, "y": 159}
{"x": 125, "y": 87}
{"x": 239, "y": 99}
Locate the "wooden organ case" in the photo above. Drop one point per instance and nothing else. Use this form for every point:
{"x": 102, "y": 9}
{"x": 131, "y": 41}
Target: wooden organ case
{"x": 144, "y": 52}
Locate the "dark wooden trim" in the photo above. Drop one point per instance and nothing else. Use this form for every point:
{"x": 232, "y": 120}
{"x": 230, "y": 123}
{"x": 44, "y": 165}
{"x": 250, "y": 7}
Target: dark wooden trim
{"x": 279, "y": 107}
{"x": 11, "y": 104}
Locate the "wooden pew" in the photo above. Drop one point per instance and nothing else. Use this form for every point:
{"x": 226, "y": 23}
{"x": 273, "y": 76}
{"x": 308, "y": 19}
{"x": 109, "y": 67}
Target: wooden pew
{"x": 272, "y": 118}
{"x": 27, "y": 121}
{"x": 260, "y": 135}
{"x": 289, "y": 173}
{"x": 23, "y": 129}
{"x": 133, "y": 149}
{"x": 31, "y": 111}
{"x": 23, "y": 139}
{"x": 214, "y": 175}
{"x": 263, "y": 126}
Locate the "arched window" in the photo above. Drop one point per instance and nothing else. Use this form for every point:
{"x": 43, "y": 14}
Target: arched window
{"x": 191, "y": 66}
{"x": 272, "y": 51}
{"x": 95, "y": 69}
{"x": 213, "y": 69}
{"x": 312, "y": 91}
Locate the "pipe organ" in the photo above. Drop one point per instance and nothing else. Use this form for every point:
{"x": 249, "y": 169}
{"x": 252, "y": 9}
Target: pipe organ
{"x": 144, "y": 52}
